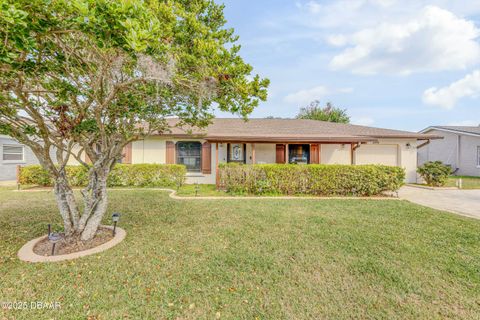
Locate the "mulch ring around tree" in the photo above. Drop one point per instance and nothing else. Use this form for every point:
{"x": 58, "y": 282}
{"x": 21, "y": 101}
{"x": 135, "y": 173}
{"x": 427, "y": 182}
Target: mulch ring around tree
{"x": 64, "y": 246}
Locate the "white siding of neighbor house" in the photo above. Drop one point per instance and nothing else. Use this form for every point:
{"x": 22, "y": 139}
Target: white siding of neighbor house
{"x": 468, "y": 156}
{"x": 446, "y": 150}
{"x": 8, "y": 169}
{"x": 335, "y": 154}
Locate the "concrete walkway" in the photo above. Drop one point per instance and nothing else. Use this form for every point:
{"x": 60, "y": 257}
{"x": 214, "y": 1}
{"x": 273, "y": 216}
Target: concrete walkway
{"x": 463, "y": 202}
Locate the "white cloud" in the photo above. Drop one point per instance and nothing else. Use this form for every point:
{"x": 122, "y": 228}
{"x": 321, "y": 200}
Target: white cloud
{"x": 362, "y": 121}
{"x": 434, "y": 40}
{"x": 348, "y": 14}
{"x": 306, "y": 96}
{"x": 447, "y": 97}
{"x": 313, "y": 7}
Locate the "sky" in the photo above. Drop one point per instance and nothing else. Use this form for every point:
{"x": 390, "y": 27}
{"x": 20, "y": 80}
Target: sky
{"x": 399, "y": 64}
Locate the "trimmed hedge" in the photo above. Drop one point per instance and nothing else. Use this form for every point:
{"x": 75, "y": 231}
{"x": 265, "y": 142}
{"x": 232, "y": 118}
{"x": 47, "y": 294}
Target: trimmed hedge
{"x": 322, "y": 180}
{"x": 122, "y": 175}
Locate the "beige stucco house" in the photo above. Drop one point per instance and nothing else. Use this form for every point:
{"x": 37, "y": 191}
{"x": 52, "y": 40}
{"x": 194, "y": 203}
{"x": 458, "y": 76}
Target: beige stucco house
{"x": 459, "y": 148}
{"x": 260, "y": 141}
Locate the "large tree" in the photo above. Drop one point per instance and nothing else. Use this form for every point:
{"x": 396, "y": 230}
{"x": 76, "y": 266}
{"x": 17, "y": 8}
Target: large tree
{"x": 90, "y": 76}
{"x": 330, "y": 113}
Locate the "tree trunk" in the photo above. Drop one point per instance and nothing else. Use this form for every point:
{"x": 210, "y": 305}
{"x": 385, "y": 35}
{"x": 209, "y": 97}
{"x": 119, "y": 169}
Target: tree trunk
{"x": 66, "y": 204}
{"x": 96, "y": 202}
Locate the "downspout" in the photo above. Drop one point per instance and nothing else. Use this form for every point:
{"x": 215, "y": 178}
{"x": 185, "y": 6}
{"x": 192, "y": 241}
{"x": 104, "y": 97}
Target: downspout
{"x": 457, "y": 160}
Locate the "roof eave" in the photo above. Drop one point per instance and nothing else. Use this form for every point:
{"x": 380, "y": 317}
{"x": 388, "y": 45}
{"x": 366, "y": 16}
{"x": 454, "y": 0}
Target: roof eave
{"x": 450, "y": 130}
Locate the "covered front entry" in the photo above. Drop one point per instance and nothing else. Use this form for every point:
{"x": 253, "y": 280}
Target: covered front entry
{"x": 293, "y": 153}
{"x": 299, "y": 153}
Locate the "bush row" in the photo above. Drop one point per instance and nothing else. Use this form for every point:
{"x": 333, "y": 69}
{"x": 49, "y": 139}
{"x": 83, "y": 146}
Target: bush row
{"x": 122, "y": 175}
{"x": 324, "y": 180}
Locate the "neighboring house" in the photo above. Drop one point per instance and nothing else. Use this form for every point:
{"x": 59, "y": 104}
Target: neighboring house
{"x": 12, "y": 154}
{"x": 276, "y": 141}
{"x": 459, "y": 148}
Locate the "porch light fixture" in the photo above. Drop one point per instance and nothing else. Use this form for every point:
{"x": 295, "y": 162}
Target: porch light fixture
{"x": 54, "y": 238}
{"x": 408, "y": 145}
{"x": 115, "y": 218}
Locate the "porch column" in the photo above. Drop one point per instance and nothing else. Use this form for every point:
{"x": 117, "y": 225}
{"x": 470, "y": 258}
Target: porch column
{"x": 253, "y": 153}
{"x": 287, "y": 146}
{"x": 217, "y": 175}
{"x": 352, "y": 150}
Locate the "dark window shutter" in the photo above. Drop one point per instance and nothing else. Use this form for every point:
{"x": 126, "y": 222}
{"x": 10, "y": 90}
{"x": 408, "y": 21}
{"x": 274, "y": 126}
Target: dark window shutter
{"x": 314, "y": 154}
{"x": 170, "y": 159}
{"x": 280, "y": 154}
{"x": 127, "y": 154}
{"x": 206, "y": 158}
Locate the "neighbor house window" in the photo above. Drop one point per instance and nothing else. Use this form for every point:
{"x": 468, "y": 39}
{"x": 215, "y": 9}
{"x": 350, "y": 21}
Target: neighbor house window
{"x": 12, "y": 152}
{"x": 190, "y": 155}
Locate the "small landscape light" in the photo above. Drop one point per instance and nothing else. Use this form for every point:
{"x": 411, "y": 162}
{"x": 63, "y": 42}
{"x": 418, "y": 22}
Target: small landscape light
{"x": 54, "y": 238}
{"x": 197, "y": 188}
{"x": 115, "y": 218}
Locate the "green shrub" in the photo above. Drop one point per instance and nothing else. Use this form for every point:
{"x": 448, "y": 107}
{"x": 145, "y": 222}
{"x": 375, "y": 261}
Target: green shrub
{"x": 435, "y": 173}
{"x": 122, "y": 175}
{"x": 325, "y": 180}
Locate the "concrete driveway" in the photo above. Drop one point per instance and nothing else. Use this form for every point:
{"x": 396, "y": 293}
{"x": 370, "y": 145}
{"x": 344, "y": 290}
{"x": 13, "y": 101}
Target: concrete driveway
{"x": 463, "y": 202}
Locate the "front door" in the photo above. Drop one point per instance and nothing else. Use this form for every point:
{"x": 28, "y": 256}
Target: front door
{"x": 299, "y": 153}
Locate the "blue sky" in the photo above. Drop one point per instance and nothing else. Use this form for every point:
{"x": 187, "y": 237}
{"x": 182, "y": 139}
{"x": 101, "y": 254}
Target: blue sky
{"x": 392, "y": 63}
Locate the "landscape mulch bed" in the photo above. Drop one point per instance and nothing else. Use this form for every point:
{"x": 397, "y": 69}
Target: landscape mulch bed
{"x": 44, "y": 247}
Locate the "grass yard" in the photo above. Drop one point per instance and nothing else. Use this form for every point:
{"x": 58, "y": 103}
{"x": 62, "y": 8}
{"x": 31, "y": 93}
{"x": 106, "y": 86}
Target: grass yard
{"x": 250, "y": 259}
{"x": 467, "y": 181}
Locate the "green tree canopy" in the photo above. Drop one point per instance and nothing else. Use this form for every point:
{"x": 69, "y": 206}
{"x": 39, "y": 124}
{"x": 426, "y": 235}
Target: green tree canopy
{"x": 94, "y": 75}
{"x": 328, "y": 113}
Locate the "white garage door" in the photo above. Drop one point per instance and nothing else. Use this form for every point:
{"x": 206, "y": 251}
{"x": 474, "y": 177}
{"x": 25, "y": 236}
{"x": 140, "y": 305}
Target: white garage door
{"x": 377, "y": 154}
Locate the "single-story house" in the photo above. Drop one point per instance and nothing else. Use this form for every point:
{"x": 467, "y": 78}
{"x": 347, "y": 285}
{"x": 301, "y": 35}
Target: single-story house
{"x": 459, "y": 148}
{"x": 12, "y": 154}
{"x": 260, "y": 141}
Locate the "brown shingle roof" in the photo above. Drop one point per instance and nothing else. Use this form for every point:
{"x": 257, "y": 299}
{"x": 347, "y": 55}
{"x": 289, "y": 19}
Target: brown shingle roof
{"x": 230, "y": 129}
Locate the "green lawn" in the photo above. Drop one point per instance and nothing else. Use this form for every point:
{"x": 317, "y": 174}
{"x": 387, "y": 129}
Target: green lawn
{"x": 468, "y": 182}
{"x": 248, "y": 259}
{"x": 202, "y": 190}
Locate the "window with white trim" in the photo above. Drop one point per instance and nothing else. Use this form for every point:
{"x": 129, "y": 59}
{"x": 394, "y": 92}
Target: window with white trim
{"x": 13, "y": 153}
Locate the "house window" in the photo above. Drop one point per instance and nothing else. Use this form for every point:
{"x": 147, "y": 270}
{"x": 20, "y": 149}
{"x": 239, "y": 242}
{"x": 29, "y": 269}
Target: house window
{"x": 13, "y": 153}
{"x": 299, "y": 153}
{"x": 190, "y": 154}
